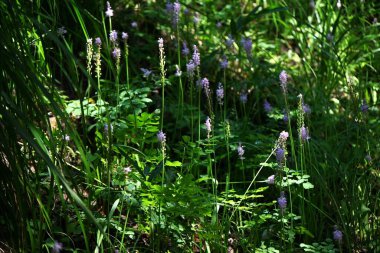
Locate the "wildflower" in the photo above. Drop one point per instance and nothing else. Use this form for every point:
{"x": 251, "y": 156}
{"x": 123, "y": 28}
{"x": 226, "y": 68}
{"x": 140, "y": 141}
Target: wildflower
{"x": 280, "y": 155}
{"x": 134, "y": 24}
{"x": 113, "y": 36}
{"x": 219, "y": 24}
{"x": 282, "y": 202}
{"x": 178, "y": 71}
{"x": 267, "y": 106}
{"x": 169, "y": 7}
{"x": 98, "y": 42}
{"x": 283, "y": 136}
{"x": 208, "y": 126}
{"x": 220, "y": 94}
{"x": 161, "y": 137}
{"x": 306, "y": 108}
{"x": 185, "y": 49}
{"x": 224, "y": 63}
{"x": 116, "y": 53}
{"x": 127, "y": 170}
{"x": 190, "y": 67}
{"x": 270, "y": 179}
{"x": 304, "y": 133}
{"x": 176, "y": 10}
{"x": 339, "y": 4}
{"x": 67, "y": 137}
{"x": 283, "y": 80}
{"x": 206, "y": 86}
{"x": 196, "y": 56}
{"x": 247, "y": 44}
{"x": 337, "y": 234}
{"x": 240, "y": 151}
{"x": 160, "y": 43}
{"x": 61, "y": 31}
{"x": 244, "y": 97}
{"x": 230, "y": 41}
{"x": 374, "y": 21}
{"x": 90, "y": 53}
{"x": 124, "y": 36}
{"x": 146, "y": 72}
{"x": 364, "y": 106}
{"x": 368, "y": 158}
{"x": 57, "y": 247}
{"x": 109, "y": 11}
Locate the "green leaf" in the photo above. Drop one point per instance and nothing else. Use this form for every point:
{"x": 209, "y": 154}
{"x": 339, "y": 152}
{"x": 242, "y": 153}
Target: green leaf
{"x": 173, "y": 164}
{"x": 307, "y": 185}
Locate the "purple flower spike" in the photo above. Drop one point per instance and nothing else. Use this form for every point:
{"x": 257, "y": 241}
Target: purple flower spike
{"x": 224, "y": 63}
{"x": 337, "y": 234}
{"x": 220, "y": 93}
{"x": 230, "y": 41}
{"x": 240, "y": 151}
{"x": 57, "y": 247}
{"x": 109, "y": 11}
{"x": 196, "y": 56}
{"x": 285, "y": 118}
{"x": 124, "y": 36}
{"x": 284, "y": 136}
{"x": 244, "y": 97}
{"x": 280, "y": 155}
{"x": 190, "y": 67}
{"x": 113, "y": 36}
{"x": 206, "y": 86}
{"x": 282, "y": 202}
{"x": 208, "y": 124}
{"x": 161, "y": 137}
{"x": 146, "y": 72}
{"x": 98, "y": 42}
{"x": 116, "y": 53}
{"x": 185, "y": 49}
{"x": 304, "y": 134}
{"x": 283, "y": 80}
{"x": 176, "y": 11}
{"x": 306, "y": 109}
{"x": 247, "y": 44}
{"x": 267, "y": 106}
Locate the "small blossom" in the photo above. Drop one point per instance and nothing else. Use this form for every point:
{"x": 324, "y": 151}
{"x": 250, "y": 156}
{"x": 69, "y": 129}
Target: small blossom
{"x": 219, "y": 25}
{"x": 124, "y": 36}
{"x": 312, "y": 4}
{"x": 161, "y": 137}
{"x": 61, "y": 31}
{"x": 282, "y": 202}
{"x": 337, "y": 234}
{"x": 267, "y": 106}
{"x": 206, "y": 86}
{"x": 116, "y": 53}
{"x": 127, "y": 170}
{"x": 113, "y": 36}
{"x": 134, "y": 24}
{"x": 109, "y": 11}
{"x": 208, "y": 125}
{"x": 190, "y": 67}
{"x": 283, "y": 80}
{"x": 220, "y": 94}
{"x": 339, "y": 4}
{"x": 57, "y": 247}
{"x": 169, "y": 7}
{"x": 270, "y": 179}
{"x": 224, "y": 63}
{"x": 146, "y": 72}
{"x": 304, "y": 134}
{"x": 306, "y": 108}
{"x": 176, "y": 11}
{"x": 247, "y": 44}
{"x": 160, "y": 43}
{"x": 244, "y": 97}
{"x": 374, "y": 21}
{"x": 368, "y": 158}
{"x": 230, "y": 41}
{"x": 364, "y": 106}
{"x": 284, "y": 136}
{"x": 67, "y": 137}
{"x": 196, "y": 56}
{"x": 178, "y": 71}
{"x": 240, "y": 151}
{"x": 185, "y": 49}
{"x": 280, "y": 155}
{"x": 98, "y": 42}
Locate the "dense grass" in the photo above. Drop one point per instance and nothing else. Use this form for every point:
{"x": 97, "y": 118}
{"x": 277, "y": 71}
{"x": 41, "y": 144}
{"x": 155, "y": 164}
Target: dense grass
{"x": 268, "y": 144}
